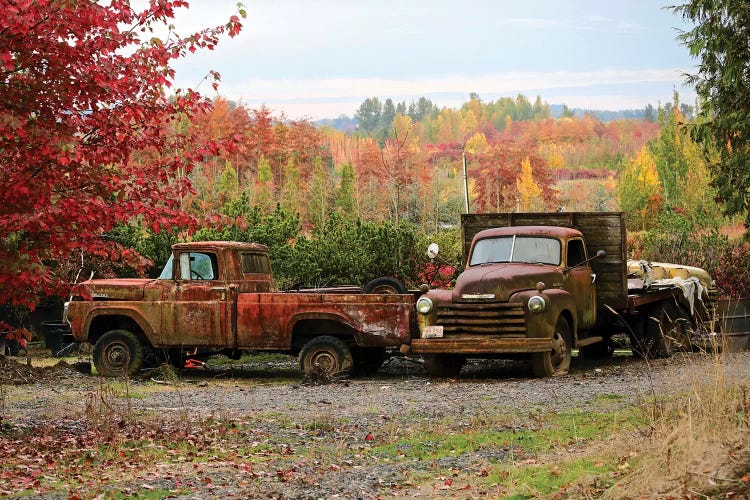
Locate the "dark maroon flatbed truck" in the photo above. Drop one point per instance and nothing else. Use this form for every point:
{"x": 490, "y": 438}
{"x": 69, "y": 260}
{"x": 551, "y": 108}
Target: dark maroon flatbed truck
{"x": 218, "y": 297}
{"x": 538, "y": 285}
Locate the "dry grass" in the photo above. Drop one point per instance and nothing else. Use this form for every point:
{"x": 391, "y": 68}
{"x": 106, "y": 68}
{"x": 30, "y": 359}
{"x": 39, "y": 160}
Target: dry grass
{"x": 696, "y": 444}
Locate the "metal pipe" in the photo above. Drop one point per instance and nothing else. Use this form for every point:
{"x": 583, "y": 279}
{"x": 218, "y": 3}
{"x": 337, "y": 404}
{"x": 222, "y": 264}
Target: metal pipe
{"x": 466, "y": 181}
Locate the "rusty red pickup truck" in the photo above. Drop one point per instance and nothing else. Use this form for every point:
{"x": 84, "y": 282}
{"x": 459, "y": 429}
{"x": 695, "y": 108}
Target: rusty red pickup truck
{"x": 219, "y": 297}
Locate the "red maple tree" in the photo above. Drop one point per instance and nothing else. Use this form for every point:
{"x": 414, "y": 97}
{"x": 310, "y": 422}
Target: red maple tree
{"x": 83, "y": 86}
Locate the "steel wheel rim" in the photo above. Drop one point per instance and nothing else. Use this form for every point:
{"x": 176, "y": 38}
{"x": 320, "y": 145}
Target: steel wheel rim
{"x": 559, "y": 350}
{"x": 116, "y": 356}
{"x": 325, "y": 361}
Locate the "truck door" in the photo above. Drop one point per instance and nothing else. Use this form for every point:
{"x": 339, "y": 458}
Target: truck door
{"x": 580, "y": 282}
{"x": 194, "y": 309}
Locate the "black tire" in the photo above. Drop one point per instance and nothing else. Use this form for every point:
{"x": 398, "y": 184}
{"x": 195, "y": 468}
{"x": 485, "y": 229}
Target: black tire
{"x": 556, "y": 361}
{"x": 118, "y": 353}
{"x": 327, "y": 357}
{"x": 668, "y": 329}
{"x": 443, "y": 365}
{"x": 368, "y": 360}
{"x": 385, "y": 286}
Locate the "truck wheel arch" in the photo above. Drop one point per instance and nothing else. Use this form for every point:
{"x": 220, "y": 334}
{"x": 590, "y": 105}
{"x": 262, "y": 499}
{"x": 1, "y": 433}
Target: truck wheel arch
{"x": 101, "y": 321}
{"x": 303, "y": 327}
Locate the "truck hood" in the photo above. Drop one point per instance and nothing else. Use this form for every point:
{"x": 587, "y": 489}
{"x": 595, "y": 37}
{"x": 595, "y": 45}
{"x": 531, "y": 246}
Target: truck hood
{"x": 112, "y": 289}
{"x": 503, "y": 280}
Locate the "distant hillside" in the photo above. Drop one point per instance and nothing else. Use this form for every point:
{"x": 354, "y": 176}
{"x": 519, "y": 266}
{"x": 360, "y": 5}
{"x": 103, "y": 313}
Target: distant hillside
{"x": 342, "y": 123}
{"x": 349, "y": 124}
{"x": 603, "y": 115}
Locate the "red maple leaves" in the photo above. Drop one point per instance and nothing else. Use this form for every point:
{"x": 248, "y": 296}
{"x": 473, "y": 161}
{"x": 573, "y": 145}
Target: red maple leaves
{"x": 82, "y": 93}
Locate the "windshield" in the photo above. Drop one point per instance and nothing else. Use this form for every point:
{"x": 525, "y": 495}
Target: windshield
{"x": 516, "y": 249}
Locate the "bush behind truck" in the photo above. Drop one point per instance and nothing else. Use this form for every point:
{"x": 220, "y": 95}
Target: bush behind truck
{"x": 538, "y": 285}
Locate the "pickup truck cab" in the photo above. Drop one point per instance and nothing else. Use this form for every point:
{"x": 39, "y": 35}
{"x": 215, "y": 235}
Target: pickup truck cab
{"x": 219, "y": 297}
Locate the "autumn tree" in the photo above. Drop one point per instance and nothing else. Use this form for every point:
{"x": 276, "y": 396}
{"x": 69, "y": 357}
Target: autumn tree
{"x": 529, "y": 192}
{"x": 82, "y": 86}
{"x": 319, "y": 195}
{"x": 639, "y": 191}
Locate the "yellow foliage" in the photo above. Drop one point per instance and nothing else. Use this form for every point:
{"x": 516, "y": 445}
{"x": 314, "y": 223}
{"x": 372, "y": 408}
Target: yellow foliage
{"x": 476, "y": 144}
{"x": 639, "y": 190}
{"x": 529, "y": 191}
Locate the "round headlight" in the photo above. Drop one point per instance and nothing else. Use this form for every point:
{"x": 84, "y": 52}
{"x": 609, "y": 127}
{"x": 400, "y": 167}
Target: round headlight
{"x": 536, "y": 304}
{"x": 424, "y": 305}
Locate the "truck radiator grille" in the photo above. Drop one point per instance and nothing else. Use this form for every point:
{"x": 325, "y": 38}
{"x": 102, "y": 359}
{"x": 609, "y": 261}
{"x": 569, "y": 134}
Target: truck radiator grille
{"x": 494, "y": 318}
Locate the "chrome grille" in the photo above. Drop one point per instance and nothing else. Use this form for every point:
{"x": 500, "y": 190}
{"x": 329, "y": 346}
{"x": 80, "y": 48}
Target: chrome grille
{"x": 483, "y": 318}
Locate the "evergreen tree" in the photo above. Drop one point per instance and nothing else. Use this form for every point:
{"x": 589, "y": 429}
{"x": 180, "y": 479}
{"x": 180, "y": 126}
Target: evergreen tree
{"x": 346, "y": 204}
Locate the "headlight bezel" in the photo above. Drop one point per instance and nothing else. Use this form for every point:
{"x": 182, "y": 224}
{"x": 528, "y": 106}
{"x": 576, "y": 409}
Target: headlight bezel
{"x": 536, "y": 304}
{"x": 427, "y": 306}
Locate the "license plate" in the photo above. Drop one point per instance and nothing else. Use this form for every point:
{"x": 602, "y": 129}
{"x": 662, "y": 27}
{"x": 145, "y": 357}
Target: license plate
{"x": 432, "y": 332}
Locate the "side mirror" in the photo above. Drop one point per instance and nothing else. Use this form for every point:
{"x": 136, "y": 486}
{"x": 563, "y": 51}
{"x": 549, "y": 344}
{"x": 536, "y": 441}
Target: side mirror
{"x": 599, "y": 253}
{"x": 433, "y": 250}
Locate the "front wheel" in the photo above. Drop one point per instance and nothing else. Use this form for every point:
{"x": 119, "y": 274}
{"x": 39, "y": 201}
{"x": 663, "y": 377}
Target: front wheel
{"x": 326, "y": 356}
{"x": 118, "y": 353}
{"x": 556, "y": 361}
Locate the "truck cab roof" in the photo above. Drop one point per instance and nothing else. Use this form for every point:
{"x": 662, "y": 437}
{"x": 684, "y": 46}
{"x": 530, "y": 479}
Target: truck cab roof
{"x": 221, "y": 245}
{"x": 553, "y": 231}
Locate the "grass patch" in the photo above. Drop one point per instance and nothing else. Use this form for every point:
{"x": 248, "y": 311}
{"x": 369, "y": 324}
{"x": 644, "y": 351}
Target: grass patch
{"x": 546, "y": 432}
{"x": 542, "y": 480}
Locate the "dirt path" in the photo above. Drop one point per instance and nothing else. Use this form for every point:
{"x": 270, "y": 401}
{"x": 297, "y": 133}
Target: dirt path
{"x": 305, "y": 425}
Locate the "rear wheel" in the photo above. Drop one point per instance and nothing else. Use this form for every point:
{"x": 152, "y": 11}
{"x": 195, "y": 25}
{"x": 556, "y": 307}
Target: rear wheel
{"x": 668, "y": 329}
{"x": 118, "y": 353}
{"x": 556, "y": 361}
{"x": 443, "y": 365}
{"x": 326, "y": 356}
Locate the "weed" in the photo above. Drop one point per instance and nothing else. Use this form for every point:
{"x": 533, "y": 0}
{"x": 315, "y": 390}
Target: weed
{"x": 698, "y": 441}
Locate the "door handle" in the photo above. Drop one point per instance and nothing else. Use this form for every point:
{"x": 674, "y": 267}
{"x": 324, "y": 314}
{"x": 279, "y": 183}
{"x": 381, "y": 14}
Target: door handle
{"x": 219, "y": 289}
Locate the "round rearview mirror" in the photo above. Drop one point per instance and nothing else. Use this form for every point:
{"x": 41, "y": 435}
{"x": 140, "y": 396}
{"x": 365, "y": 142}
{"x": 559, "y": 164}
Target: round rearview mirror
{"x": 433, "y": 250}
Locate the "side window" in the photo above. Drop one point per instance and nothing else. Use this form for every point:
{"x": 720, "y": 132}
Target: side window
{"x": 576, "y": 252}
{"x": 198, "y": 266}
{"x": 255, "y": 263}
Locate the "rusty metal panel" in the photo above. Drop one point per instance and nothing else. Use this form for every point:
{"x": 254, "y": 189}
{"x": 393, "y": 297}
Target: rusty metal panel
{"x": 266, "y": 320}
{"x": 601, "y": 230}
{"x": 734, "y": 323}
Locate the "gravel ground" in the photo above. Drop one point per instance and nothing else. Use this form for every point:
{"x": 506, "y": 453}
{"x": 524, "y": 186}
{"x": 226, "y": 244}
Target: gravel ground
{"x": 286, "y": 409}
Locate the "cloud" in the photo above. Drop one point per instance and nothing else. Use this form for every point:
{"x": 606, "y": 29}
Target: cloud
{"x": 335, "y": 88}
{"x": 318, "y": 98}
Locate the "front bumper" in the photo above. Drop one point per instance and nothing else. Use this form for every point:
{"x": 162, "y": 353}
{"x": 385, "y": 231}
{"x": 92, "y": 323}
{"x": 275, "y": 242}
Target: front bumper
{"x": 480, "y": 344}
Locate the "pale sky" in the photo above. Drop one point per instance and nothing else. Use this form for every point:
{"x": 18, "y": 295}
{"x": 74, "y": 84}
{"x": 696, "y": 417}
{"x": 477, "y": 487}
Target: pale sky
{"x": 322, "y": 58}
